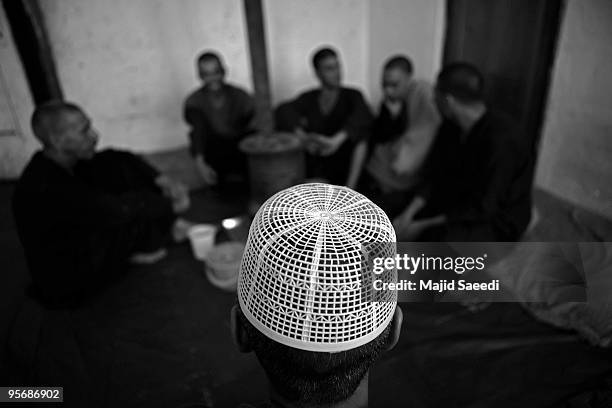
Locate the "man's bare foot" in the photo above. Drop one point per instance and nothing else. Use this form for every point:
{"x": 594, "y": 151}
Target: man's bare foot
{"x": 148, "y": 258}
{"x": 180, "y": 228}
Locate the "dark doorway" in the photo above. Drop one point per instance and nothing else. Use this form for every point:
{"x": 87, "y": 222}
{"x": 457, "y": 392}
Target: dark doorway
{"x": 513, "y": 42}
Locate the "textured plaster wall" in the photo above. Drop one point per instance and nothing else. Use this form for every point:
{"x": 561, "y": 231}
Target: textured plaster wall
{"x": 575, "y": 158}
{"x": 295, "y": 28}
{"x": 414, "y": 28}
{"x": 130, "y": 62}
{"x": 16, "y": 140}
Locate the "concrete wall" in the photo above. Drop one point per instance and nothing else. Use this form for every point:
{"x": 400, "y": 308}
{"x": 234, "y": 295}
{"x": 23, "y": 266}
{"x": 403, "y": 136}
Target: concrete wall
{"x": 16, "y": 140}
{"x": 414, "y": 28}
{"x": 130, "y": 62}
{"x": 365, "y": 31}
{"x": 575, "y": 159}
{"x": 295, "y": 28}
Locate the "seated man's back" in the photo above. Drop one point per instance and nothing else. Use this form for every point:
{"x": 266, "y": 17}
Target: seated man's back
{"x": 480, "y": 166}
{"x": 68, "y": 231}
{"x": 484, "y": 180}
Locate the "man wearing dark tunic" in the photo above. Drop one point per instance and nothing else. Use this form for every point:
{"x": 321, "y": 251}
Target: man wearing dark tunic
{"x": 219, "y": 115}
{"x": 480, "y": 169}
{"x": 81, "y": 215}
{"x": 334, "y": 122}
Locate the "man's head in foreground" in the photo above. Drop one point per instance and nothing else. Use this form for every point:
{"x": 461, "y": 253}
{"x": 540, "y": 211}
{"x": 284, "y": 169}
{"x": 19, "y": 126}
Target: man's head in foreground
{"x": 397, "y": 74}
{"x": 211, "y": 70}
{"x": 326, "y": 64}
{"x": 65, "y": 132}
{"x": 459, "y": 91}
{"x": 306, "y": 307}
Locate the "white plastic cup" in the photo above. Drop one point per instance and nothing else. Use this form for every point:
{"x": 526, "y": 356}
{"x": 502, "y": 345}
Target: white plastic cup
{"x": 202, "y": 238}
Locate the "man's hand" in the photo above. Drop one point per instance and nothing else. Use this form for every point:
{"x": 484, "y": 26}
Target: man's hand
{"x": 407, "y": 228}
{"x": 309, "y": 143}
{"x": 329, "y": 145}
{"x": 321, "y": 145}
{"x": 209, "y": 175}
{"x": 176, "y": 191}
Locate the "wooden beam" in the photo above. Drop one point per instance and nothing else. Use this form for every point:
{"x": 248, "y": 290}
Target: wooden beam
{"x": 34, "y": 48}
{"x": 259, "y": 64}
{"x": 45, "y": 52}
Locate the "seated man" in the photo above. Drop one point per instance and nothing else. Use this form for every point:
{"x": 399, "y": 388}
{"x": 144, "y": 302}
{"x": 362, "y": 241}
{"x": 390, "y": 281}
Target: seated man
{"x": 305, "y": 304}
{"x": 402, "y": 135}
{"x": 80, "y": 215}
{"x": 480, "y": 169}
{"x": 334, "y": 122}
{"x": 219, "y": 115}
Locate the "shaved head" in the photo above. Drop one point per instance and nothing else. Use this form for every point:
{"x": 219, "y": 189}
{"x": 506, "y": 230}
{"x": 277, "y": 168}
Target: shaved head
{"x": 400, "y": 62}
{"x": 65, "y": 131}
{"x": 396, "y": 78}
{"x": 463, "y": 81}
{"x": 50, "y": 118}
{"x": 321, "y": 54}
{"x": 210, "y": 56}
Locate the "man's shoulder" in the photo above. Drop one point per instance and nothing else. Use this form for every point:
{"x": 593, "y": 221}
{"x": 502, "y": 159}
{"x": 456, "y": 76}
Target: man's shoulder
{"x": 109, "y": 160}
{"x": 38, "y": 168}
{"x": 502, "y": 123}
{"x": 308, "y": 94}
{"x": 237, "y": 91}
{"x": 352, "y": 92}
{"x": 420, "y": 87}
{"x": 508, "y": 134}
{"x": 501, "y": 118}
{"x": 113, "y": 153}
{"x": 311, "y": 95}
{"x": 195, "y": 98}
{"x": 37, "y": 179}
{"x": 421, "y": 83}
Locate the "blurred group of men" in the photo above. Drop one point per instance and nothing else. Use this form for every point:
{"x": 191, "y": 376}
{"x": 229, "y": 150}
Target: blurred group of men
{"x": 436, "y": 158}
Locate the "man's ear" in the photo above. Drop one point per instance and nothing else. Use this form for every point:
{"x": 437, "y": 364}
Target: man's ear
{"x": 239, "y": 335}
{"x": 396, "y": 328}
{"x": 451, "y": 102}
{"x": 53, "y": 140}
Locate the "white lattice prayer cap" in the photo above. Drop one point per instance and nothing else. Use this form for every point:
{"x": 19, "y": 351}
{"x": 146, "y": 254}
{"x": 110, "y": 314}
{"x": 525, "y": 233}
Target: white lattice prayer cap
{"x": 304, "y": 279}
